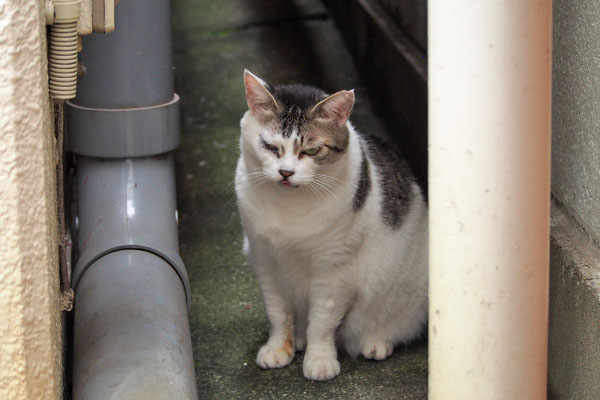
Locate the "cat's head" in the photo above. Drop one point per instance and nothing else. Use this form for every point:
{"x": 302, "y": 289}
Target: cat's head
{"x": 294, "y": 133}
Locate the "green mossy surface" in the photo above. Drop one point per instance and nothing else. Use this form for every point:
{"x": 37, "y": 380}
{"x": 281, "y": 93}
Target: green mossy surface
{"x": 282, "y": 42}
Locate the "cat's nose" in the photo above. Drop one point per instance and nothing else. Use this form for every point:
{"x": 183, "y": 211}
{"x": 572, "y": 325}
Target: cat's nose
{"x": 286, "y": 173}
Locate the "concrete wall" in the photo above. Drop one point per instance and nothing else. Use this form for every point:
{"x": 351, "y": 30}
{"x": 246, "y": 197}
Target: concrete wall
{"x": 30, "y": 327}
{"x": 574, "y": 342}
{"x": 394, "y": 67}
{"x": 574, "y": 359}
{"x": 411, "y": 17}
{"x": 576, "y": 113}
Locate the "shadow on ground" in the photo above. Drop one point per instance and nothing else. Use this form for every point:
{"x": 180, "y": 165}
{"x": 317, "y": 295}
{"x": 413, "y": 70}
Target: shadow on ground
{"x": 283, "y": 42}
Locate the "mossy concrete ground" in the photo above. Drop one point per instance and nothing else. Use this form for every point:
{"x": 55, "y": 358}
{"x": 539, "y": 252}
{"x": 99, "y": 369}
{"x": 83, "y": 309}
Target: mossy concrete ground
{"x": 283, "y": 42}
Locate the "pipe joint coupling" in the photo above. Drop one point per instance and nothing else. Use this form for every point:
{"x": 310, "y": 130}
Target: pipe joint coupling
{"x": 124, "y": 132}
{"x": 127, "y": 204}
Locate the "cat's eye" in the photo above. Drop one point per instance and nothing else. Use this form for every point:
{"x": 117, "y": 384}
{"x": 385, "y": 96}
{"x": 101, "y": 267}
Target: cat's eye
{"x": 270, "y": 147}
{"x": 312, "y": 152}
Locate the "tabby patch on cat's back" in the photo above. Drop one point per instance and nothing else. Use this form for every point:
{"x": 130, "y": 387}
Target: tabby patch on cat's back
{"x": 335, "y": 229}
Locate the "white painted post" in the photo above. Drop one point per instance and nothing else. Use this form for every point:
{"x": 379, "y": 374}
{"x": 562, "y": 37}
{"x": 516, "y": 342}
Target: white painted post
{"x": 489, "y": 196}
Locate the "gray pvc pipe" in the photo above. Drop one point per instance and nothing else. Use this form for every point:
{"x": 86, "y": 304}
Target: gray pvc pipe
{"x": 131, "y": 66}
{"x": 127, "y": 204}
{"x": 131, "y": 332}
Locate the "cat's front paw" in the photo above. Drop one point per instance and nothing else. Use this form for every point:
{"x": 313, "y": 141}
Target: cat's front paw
{"x": 377, "y": 350}
{"x": 320, "y": 368}
{"x": 274, "y": 357}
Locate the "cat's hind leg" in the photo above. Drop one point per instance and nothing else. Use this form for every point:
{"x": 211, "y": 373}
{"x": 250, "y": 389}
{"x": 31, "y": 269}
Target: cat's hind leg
{"x": 372, "y": 332}
{"x": 359, "y": 334}
{"x": 376, "y": 349}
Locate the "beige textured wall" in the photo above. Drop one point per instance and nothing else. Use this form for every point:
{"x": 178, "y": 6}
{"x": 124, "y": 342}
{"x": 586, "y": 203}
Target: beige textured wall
{"x": 30, "y": 344}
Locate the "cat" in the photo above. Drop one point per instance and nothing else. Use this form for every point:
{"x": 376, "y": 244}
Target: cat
{"x": 335, "y": 229}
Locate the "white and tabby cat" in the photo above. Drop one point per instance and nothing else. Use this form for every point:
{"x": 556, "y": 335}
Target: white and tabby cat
{"x": 336, "y": 230}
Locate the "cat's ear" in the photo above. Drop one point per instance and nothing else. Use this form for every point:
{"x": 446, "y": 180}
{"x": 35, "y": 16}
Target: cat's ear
{"x": 260, "y": 101}
{"x": 336, "y": 107}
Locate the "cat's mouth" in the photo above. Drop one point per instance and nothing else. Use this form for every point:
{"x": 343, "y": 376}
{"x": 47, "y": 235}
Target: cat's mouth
{"x": 286, "y": 183}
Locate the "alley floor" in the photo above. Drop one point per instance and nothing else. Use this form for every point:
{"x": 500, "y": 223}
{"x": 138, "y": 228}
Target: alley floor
{"x": 282, "y": 42}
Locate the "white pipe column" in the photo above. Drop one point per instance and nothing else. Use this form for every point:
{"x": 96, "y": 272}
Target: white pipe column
{"x": 489, "y": 195}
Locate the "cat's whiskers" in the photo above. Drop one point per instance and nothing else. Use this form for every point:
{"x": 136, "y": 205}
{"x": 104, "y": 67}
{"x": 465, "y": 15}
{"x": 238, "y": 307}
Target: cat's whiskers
{"x": 329, "y": 182}
{"x": 320, "y": 189}
{"x": 228, "y": 189}
{"x": 256, "y": 171}
{"x": 256, "y": 176}
{"x": 257, "y": 180}
{"x": 229, "y": 193}
{"x": 325, "y": 185}
{"x": 313, "y": 191}
{"x": 328, "y": 178}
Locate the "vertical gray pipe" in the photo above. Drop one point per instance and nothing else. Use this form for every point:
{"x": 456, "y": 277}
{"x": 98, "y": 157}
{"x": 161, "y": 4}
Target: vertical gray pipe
{"x": 131, "y": 66}
{"x": 131, "y": 330}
